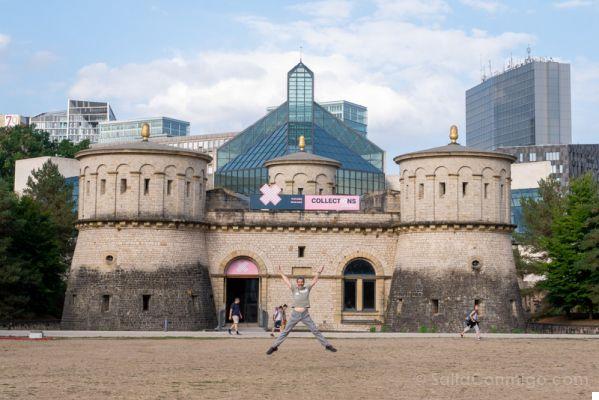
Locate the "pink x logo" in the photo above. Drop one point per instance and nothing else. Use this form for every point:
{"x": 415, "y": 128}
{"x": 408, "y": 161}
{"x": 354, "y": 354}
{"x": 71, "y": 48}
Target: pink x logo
{"x": 270, "y": 194}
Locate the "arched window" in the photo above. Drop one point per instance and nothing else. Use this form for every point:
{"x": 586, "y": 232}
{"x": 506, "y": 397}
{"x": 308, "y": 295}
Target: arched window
{"x": 359, "y": 286}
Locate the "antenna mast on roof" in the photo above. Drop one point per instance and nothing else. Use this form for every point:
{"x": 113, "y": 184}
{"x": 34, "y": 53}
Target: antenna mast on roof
{"x": 528, "y": 52}
{"x": 301, "y": 50}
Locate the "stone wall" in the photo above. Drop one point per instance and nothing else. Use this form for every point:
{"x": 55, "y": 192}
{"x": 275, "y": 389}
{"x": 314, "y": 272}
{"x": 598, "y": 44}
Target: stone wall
{"x": 441, "y": 273}
{"x": 180, "y": 294}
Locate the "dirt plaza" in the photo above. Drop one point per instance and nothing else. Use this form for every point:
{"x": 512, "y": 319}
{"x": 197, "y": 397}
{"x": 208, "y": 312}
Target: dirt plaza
{"x": 411, "y": 368}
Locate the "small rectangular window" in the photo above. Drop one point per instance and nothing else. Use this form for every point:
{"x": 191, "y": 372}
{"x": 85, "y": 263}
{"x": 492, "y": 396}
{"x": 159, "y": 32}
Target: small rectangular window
{"x": 105, "y": 303}
{"x": 169, "y": 187}
{"x": 532, "y": 157}
{"x": 146, "y": 302}
{"x": 195, "y": 302}
{"x": 421, "y": 191}
{"x": 73, "y": 299}
{"x": 123, "y": 185}
{"x": 486, "y": 190}
{"x": 300, "y": 190}
{"x": 441, "y": 189}
{"x": 301, "y": 250}
{"x": 514, "y": 307}
{"x": 102, "y": 186}
{"x": 187, "y": 189}
{"x": 435, "y": 306}
{"x": 464, "y": 188}
{"x": 87, "y": 187}
{"x": 146, "y": 186}
{"x": 320, "y": 191}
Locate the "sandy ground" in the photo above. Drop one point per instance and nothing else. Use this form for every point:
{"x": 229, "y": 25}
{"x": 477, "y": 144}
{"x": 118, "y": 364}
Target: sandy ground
{"x": 301, "y": 369}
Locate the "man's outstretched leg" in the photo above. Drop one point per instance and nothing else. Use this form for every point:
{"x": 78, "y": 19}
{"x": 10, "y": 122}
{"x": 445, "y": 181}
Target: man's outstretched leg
{"x": 307, "y": 320}
{"x": 293, "y": 321}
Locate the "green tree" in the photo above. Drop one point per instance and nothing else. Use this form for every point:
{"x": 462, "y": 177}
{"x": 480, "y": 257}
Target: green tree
{"x": 31, "y": 266}
{"x": 21, "y": 142}
{"x": 571, "y": 280}
{"x": 538, "y": 214}
{"x": 55, "y": 197}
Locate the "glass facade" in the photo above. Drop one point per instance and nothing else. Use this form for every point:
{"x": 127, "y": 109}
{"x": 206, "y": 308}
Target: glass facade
{"x": 240, "y": 161}
{"x": 127, "y": 131}
{"x": 517, "y": 196}
{"x": 526, "y": 105}
{"x": 300, "y": 100}
{"x": 78, "y": 122}
{"x": 354, "y": 115}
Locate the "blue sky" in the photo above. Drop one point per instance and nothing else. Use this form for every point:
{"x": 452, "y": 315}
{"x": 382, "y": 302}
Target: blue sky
{"x": 218, "y": 64}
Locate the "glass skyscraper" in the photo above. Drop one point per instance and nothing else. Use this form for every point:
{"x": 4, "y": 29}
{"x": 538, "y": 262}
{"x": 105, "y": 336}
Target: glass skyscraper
{"x": 78, "y": 122}
{"x": 528, "y": 104}
{"x": 130, "y": 130}
{"x": 240, "y": 160}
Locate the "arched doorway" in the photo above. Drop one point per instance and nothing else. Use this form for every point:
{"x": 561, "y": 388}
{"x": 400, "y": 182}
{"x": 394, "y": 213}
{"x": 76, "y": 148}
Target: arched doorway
{"x": 242, "y": 281}
{"x": 359, "y": 286}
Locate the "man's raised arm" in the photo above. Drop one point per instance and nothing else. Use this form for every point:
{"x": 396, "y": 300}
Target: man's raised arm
{"x": 316, "y": 276}
{"x": 284, "y": 277}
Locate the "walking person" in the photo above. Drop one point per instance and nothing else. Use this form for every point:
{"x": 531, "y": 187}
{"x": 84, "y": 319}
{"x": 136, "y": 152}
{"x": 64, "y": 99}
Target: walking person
{"x": 301, "y": 305}
{"x": 472, "y": 322}
{"x": 235, "y": 316}
{"x": 277, "y": 318}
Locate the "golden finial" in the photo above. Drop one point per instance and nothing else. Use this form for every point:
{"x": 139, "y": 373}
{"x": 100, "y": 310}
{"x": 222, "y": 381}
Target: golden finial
{"x": 301, "y": 142}
{"x": 145, "y": 131}
{"x": 453, "y": 134}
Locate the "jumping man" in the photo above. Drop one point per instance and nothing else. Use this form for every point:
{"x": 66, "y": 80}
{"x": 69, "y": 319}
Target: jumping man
{"x": 301, "y": 304}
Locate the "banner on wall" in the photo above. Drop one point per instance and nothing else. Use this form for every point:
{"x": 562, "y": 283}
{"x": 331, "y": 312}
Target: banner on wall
{"x": 271, "y": 199}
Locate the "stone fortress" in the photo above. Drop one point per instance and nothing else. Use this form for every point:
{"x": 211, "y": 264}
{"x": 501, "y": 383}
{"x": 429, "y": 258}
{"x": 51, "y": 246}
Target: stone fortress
{"x": 156, "y": 248}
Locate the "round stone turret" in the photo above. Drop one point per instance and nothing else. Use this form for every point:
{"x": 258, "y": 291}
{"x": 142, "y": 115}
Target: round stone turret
{"x": 303, "y": 173}
{"x": 141, "y": 180}
{"x": 455, "y": 183}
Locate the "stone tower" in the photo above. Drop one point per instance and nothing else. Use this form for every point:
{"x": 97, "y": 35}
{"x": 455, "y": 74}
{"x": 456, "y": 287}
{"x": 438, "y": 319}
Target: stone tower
{"x": 140, "y": 257}
{"x": 303, "y": 173}
{"x": 454, "y": 247}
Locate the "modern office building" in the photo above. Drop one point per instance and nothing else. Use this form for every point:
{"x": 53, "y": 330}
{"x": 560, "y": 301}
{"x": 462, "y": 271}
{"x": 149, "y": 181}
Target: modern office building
{"x": 78, "y": 122}
{"x": 10, "y": 120}
{"x": 206, "y": 143}
{"x": 354, "y": 115}
{"x": 130, "y": 130}
{"x": 528, "y": 104}
{"x": 240, "y": 164}
{"x": 568, "y": 161}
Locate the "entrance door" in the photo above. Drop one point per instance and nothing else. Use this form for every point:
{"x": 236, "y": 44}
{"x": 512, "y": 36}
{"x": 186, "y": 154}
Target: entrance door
{"x": 247, "y": 289}
{"x": 243, "y": 282}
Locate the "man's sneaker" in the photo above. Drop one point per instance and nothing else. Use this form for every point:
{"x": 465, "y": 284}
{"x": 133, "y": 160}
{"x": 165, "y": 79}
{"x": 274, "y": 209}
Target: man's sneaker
{"x": 238, "y": 333}
{"x": 271, "y": 350}
{"x": 229, "y": 331}
{"x": 331, "y": 348}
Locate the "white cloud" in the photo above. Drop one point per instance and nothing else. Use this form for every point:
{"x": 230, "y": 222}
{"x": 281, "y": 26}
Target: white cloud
{"x": 490, "y": 6}
{"x": 574, "y": 3}
{"x": 325, "y": 9}
{"x": 4, "y": 41}
{"x": 411, "y": 76}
